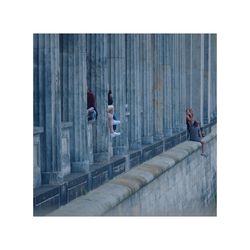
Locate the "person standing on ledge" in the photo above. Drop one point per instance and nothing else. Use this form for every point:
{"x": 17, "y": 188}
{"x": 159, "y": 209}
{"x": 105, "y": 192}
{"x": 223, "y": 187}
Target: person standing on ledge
{"x": 195, "y": 135}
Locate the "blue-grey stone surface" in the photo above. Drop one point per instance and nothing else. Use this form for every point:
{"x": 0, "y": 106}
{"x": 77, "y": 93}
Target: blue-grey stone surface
{"x": 153, "y": 77}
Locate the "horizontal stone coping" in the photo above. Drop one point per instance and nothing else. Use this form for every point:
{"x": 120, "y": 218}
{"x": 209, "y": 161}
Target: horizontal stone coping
{"x": 38, "y": 130}
{"x": 109, "y": 195}
{"x": 66, "y": 124}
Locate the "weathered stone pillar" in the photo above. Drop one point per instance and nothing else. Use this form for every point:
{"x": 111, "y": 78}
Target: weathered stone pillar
{"x": 158, "y": 89}
{"x": 90, "y": 143}
{"x": 183, "y": 92}
{"x": 64, "y": 77}
{"x": 188, "y": 65}
{"x": 133, "y": 91}
{"x": 176, "y": 84}
{"x": 49, "y": 108}
{"x": 209, "y": 112}
{"x": 38, "y": 80}
{"x": 202, "y": 81}
{"x": 167, "y": 86}
{"x": 146, "y": 81}
{"x": 38, "y": 114}
{"x": 67, "y": 125}
{"x": 98, "y": 72}
{"x": 206, "y": 81}
{"x": 37, "y": 133}
{"x": 74, "y": 101}
{"x": 214, "y": 75}
{"x": 66, "y": 159}
{"x": 118, "y": 87}
{"x": 197, "y": 76}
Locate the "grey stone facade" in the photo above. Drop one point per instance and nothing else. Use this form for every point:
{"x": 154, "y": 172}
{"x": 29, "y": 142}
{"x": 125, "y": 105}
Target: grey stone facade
{"x": 153, "y": 77}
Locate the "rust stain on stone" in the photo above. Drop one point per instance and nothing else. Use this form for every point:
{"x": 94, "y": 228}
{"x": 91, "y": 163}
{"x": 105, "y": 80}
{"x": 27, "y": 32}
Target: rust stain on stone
{"x": 153, "y": 169}
{"x": 132, "y": 182}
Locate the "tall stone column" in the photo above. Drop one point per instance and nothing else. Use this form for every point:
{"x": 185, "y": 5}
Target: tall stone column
{"x": 98, "y": 81}
{"x": 38, "y": 91}
{"x": 158, "y": 86}
{"x": 176, "y": 84}
{"x": 206, "y": 80}
{"x": 209, "y": 89}
{"x": 74, "y": 98}
{"x": 146, "y": 81}
{"x": 38, "y": 112}
{"x": 214, "y": 75}
{"x": 197, "y": 76}
{"x": 133, "y": 91}
{"x": 202, "y": 81}
{"x": 47, "y": 85}
{"x": 188, "y": 67}
{"x": 64, "y": 77}
{"x": 167, "y": 86}
{"x": 118, "y": 87}
{"x": 65, "y": 108}
{"x": 183, "y": 91}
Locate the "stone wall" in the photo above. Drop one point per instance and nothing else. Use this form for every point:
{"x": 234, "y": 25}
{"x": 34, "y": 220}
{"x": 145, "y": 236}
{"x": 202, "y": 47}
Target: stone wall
{"x": 186, "y": 189}
{"x": 153, "y": 77}
{"x": 177, "y": 182}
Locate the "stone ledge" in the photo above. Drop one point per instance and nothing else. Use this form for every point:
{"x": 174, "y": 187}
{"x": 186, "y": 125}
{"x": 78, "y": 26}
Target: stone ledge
{"x": 109, "y": 195}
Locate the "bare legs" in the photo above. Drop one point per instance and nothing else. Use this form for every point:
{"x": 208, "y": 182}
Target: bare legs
{"x": 110, "y": 123}
{"x": 202, "y": 148}
{"x": 110, "y": 111}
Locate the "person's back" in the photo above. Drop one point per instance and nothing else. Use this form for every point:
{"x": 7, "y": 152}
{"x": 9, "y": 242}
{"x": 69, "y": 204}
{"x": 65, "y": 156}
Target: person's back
{"x": 195, "y": 135}
{"x": 195, "y": 132}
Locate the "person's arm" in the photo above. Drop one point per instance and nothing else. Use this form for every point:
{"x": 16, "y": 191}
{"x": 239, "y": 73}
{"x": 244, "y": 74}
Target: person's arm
{"x": 199, "y": 131}
{"x": 189, "y": 118}
{"x": 202, "y": 132}
{"x": 90, "y": 109}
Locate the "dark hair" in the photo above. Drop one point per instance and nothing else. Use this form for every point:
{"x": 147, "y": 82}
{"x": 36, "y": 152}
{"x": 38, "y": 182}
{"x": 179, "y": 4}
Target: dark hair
{"x": 196, "y": 124}
{"x": 110, "y": 99}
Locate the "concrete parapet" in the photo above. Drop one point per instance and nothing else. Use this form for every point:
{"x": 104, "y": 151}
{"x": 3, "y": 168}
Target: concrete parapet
{"x": 171, "y": 170}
